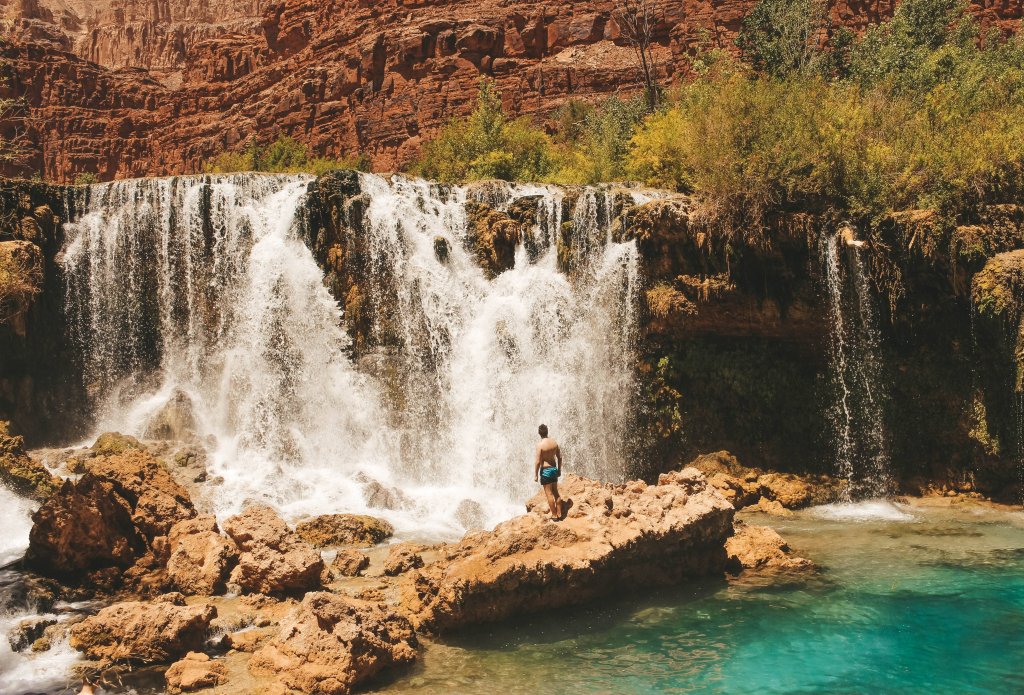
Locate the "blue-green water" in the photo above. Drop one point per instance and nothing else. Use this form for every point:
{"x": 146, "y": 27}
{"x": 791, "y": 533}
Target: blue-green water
{"x": 933, "y": 603}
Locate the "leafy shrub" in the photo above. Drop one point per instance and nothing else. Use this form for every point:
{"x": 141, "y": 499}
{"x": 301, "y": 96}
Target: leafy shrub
{"x": 487, "y": 145}
{"x": 283, "y": 156}
{"x": 86, "y": 178}
{"x": 919, "y": 113}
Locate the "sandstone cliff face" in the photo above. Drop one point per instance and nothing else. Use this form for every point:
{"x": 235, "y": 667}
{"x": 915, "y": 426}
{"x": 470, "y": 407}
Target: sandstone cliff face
{"x": 339, "y": 75}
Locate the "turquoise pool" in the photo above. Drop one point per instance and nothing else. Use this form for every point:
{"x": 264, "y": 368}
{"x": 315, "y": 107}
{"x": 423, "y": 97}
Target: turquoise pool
{"x": 926, "y": 598}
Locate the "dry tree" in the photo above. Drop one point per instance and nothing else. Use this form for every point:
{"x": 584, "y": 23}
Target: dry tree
{"x": 636, "y": 20}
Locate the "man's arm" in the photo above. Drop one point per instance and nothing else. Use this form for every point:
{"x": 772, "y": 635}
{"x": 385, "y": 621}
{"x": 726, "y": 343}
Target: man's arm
{"x": 558, "y": 457}
{"x": 536, "y": 465}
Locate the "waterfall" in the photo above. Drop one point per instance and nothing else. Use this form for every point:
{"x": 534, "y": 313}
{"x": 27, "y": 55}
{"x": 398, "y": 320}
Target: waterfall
{"x": 856, "y": 413}
{"x": 199, "y": 291}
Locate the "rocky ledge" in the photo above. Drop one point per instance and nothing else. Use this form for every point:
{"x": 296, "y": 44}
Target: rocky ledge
{"x": 615, "y": 538}
{"x": 251, "y": 603}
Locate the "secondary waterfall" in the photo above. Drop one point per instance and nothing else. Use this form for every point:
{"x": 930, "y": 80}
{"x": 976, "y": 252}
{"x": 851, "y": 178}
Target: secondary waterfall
{"x": 201, "y": 290}
{"x": 856, "y": 413}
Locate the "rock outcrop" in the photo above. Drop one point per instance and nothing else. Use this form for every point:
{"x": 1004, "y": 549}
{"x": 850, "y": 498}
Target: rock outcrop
{"x": 196, "y": 671}
{"x": 143, "y": 633}
{"x": 349, "y": 563}
{"x": 761, "y": 548}
{"x": 332, "y": 644}
{"x": 121, "y": 509}
{"x": 615, "y": 538}
{"x": 344, "y": 529}
{"x": 200, "y": 558}
{"x": 273, "y": 559}
{"x": 20, "y": 472}
{"x": 744, "y": 486}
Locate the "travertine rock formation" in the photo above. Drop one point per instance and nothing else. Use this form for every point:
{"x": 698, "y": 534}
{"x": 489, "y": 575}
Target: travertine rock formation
{"x": 147, "y": 633}
{"x": 615, "y": 538}
{"x": 344, "y": 529}
{"x": 200, "y": 557}
{"x": 196, "y": 671}
{"x": 331, "y": 644}
{"x": 761, "y": 548}
{"x": 20, "y": 472}
{"x": 121, "y": 509}
{"x": 273, "y": 559}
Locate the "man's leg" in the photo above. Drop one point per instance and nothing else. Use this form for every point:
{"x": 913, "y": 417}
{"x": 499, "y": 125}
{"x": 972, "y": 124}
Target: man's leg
{"x": 558, "y": 500}
{"x": 551, "y": 499}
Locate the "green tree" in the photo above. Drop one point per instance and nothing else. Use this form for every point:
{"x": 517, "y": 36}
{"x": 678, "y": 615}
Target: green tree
{"x": 780, "y": 37}
{"x": 487, "y": 145}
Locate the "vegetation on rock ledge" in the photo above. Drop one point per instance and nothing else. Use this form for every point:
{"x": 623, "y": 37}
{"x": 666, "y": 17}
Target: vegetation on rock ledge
{"x": 920, "y": 112}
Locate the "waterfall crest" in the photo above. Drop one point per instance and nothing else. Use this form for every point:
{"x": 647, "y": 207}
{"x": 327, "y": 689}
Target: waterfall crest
{"x": 200, "y": 289}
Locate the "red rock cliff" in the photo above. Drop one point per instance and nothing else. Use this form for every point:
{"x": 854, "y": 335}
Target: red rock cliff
{"x": 135, "y": 87}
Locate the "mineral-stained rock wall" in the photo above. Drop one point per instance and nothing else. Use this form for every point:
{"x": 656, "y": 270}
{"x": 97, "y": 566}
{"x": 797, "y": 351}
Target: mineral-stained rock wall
{"x": 38, "y": 390}
{"x": 126, "y": 88}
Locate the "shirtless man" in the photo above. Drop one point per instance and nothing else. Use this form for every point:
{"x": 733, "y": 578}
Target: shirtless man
{"x": 546, "y": 469}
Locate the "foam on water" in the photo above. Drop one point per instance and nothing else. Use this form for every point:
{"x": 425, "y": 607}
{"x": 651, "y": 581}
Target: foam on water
{"x": 867, "y": 510}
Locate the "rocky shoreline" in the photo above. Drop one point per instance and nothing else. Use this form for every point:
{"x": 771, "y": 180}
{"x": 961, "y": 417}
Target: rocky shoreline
{"x": 248, "y": 604}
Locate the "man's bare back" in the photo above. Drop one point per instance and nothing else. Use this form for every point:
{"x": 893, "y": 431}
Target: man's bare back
{"x": 547, "y": 467}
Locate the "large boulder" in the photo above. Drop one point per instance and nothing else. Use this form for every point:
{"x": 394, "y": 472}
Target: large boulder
{"x": 158, "y": 502}
{"x": 344, "y": 529}
{"x": 174, "y": 421}
{"x": 20, "y": 472}
{"x": 273, "y": 559}
{"x": 200, "y": 558}
{"x": 117, "y": 512}
{"x": 143, "y": 633}
{"x": 615, "y": 538}
{"x": 761, "y": 548}
{"x": 493, "y": 236}
{"x": 331, "y": 644}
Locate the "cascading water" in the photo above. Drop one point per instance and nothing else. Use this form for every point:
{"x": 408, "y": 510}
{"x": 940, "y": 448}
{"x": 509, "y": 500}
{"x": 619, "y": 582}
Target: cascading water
{"x": 855, "y": 369}
{"x": 199, "y": 289}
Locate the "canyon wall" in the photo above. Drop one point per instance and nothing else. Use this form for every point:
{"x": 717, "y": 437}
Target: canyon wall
{"x": 127, "y": 88}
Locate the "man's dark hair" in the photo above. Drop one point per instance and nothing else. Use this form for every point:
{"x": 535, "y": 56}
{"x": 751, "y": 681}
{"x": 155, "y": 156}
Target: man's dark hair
{"x": 542, "y": 430}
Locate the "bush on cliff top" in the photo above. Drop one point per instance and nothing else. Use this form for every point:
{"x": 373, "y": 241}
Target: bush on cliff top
{"x": 487, "y": 145}
{"x": 920, "y": 112}
{"x": 283, "y": 156}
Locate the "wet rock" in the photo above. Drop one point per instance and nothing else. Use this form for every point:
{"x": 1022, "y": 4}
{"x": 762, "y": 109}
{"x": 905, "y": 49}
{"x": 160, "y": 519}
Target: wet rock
{"x": 273, "y": 559}
{"x": 157, "y": 501}
{"x": 114, "y": 515}
{"x": 27, "y": 632}
{"x": 249, "y": 640}
{"x": 195, "y": 672}
{"x": 614, "y": 539}
{"x": 772, "y": 507}
{"x": 441, "y": 249}
{"x": 761, "y": 548}
{"x": 380, "y": 497}
{"x": 470, "y": 515}
{"x": 20, "y": 472}
{"x": 144, "y": 633}
{"x": 402, "y": 558}
{"x": 332, "y": 644}
{"x": 788, "y": 490}
{"x": 174, "y": 421}
{"x": 85, "y": 525}
{"x": 740, "y": 493}
{"x": 115, "y": 443}
{"x": 200, "y": 558}
{"x": 349, "y": 563}
{"x": 344, "y": 529}
{"x": 493, "y": 236}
